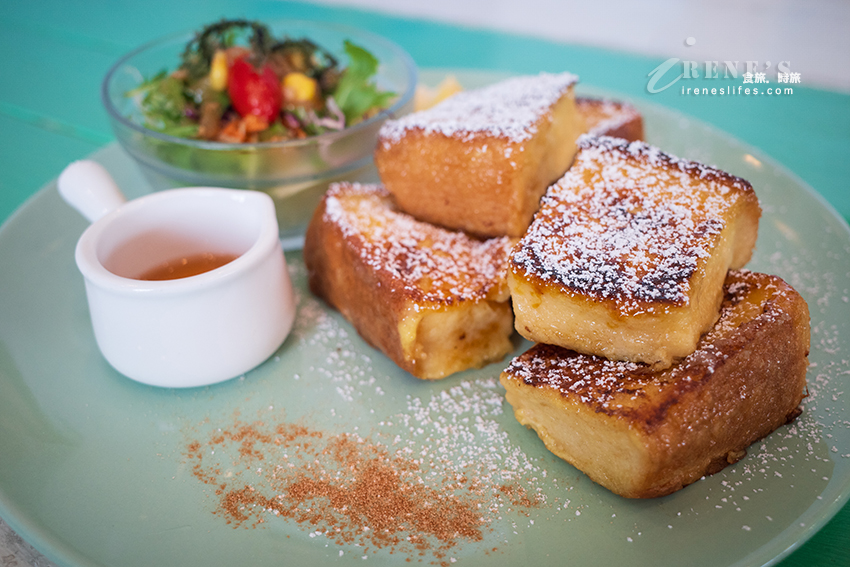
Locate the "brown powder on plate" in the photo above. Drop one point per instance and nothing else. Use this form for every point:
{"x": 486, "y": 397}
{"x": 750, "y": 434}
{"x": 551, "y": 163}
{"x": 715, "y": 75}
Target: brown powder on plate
{"x": 347, "y": 489}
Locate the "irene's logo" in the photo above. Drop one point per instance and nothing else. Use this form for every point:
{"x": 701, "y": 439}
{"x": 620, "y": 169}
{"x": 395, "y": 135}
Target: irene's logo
{"x": 717, "y": 70}
{"x": 661, "y": 78}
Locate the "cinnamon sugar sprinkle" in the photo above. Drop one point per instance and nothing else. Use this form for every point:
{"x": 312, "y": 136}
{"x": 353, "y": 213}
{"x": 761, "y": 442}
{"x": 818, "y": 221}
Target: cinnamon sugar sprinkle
{"x": 347, "y": 489}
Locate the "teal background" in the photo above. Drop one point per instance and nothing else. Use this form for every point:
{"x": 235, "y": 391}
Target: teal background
{"x": 56, "y": 52}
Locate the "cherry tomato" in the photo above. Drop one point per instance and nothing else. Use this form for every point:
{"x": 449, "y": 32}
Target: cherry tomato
{"x": 254, "y": 92}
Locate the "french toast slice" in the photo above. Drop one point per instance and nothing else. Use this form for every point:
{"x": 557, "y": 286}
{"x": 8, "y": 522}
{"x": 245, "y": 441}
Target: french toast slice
{"x": 644, "y": 433}
{"x": 627, "y": 255}
{"x": 434, "y": 301}
{"x": 480, "y": 160}
{"x": 605, "y": 117}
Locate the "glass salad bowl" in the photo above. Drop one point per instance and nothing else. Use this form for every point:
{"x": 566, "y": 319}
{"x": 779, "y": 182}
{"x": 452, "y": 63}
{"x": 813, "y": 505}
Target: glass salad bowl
{"x": 294, "y": 172}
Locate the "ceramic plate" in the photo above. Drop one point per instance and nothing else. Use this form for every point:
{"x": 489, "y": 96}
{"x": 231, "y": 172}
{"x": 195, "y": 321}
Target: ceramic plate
{"x": 98, "y": 470}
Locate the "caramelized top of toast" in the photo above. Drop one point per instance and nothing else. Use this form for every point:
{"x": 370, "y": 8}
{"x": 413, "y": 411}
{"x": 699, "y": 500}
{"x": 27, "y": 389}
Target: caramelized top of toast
{"x": 752, "y": 302}
{"x": 428, "y": 264}
{"x": 509, "y": 109}
{"x": 628, "y": 224}
{"x": 603, "y": 115}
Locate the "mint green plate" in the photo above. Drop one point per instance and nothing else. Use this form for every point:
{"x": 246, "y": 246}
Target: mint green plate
{"x": 94, "y": 467}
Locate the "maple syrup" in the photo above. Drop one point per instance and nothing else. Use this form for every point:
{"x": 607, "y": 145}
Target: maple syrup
{"x": 187, "y": 266}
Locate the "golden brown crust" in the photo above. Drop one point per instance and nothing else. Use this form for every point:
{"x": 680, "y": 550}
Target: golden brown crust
{"x": 432, "y": 178}
{"x": 355, "y": 291}
{"x": 384, "y": 270}
{"x": 746, "y": 378}
{"x": 480, "y": 160}
{"x": 603, "y": 117}
{"x": 629, "y": 249}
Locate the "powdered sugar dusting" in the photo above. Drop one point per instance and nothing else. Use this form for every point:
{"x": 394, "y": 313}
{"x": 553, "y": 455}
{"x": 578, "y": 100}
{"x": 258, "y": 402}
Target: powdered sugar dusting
{"x": 428, "y": 263}
{"x": 629, "y": 223}
{"x": 459, "y": 429}
{"x": 781, "y": 484}
{"x": 509, "y": 109}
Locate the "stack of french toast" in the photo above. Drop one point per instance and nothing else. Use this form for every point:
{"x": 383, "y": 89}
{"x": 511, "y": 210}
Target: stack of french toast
{"x": 521, "y": 207}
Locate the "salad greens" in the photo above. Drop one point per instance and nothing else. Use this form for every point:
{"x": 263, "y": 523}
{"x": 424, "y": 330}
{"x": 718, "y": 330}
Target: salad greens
{"x": 355, "y": 94}
{"x": 236, "y": 82}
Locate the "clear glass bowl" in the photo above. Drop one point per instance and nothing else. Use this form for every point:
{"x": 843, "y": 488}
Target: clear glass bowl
{"x": 296, "y": 172}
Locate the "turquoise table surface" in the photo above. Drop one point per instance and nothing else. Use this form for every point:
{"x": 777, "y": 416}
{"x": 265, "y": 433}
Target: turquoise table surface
{"x": 56, "y": 52}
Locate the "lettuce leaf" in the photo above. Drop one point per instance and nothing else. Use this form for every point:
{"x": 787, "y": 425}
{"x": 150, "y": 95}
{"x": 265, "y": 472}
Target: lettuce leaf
{"x": 164, "y": 105}
{"x": 356, "y": 94}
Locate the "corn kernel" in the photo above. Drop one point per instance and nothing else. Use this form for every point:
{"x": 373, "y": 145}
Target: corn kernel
{"x": 218, "y": 71}
{"x": 298, "y": 88}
